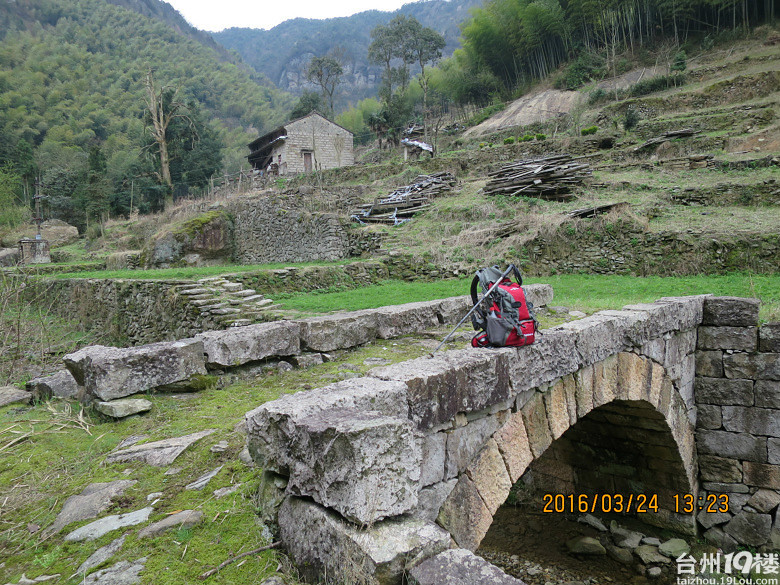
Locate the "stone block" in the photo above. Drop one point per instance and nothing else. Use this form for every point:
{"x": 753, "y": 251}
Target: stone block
{"x": 710, "y": 519}
{"x": 552, "y": 356}
{"x": 465, "y": 442}
{"x": 363, "y": 464}
{"x": 240, "y": 345}
{"x": 671, "y": 314}
{"x": 434, "y": 454}
{"x": 489, "y": 474}
{"x": 514, "y": 446}
{"x": 767, "y": 393}
{"x": 761, "y": 475}
{"x": 339, "y": 331}
{"x": 557, "y": 409}
{"x": 13, "y": 395}
{"x": 756, "y": 366}
{"x": 459, "y": 567}
{"x": 465, "y": 515}
{"x": 452, "y": 382}
{"x": 756, "y": 421}
{"x": 602, "y": 334}
{"x": 270, "y": 425}
{"x": 749, "y": 528}
{"x": 708, "y": 417}
{"x": 723, "y": 392}
{"x": 583, "y": 390}
{"x": 733, "y": 311}
{"x": 431, "y": 498}
{"x": 769, "y": 338}
{"x": 720, "y": 539}
{"x": 742, "y": 446}
{"x": 734, "y": 338}
{"x": 605, "y": 381}
{"x": 536, "y": 424}
{"x": 719, "y": 469}
{"x": 60, "y": 385}
{"x": 764, "y": 501}
{"x": 123, "y": 407}
{"x": 397, "y": 320}
{"x": 320, "y": 543}
{"x": 709, "y": 363}
{"x": 655, "y": 349}
{"x": 773, "y": 448}
{"x": 109, "y": 372}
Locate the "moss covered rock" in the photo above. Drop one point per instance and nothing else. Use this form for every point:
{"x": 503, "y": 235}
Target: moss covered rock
{"x": 205, "y": 239}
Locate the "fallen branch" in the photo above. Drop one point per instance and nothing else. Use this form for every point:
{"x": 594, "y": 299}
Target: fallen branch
{"x": 224, "y": 564}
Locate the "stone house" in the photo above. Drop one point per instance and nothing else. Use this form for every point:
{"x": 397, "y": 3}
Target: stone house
{"x": 303, "y": 145}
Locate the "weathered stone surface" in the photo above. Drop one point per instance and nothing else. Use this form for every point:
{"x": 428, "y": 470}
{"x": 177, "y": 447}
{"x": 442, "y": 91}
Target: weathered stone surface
{"x": 674, "y": 547}
{"x": 761, "y": 475}
{"x": 671, "y": 313}
{"x": 122, "y": 573}
{"x": 465, "y": 515}
{"x": 95, "y": 498}
{"x": 756, "y": 421}
{"x": 123, "y": 407}
{"x": 459, "y": 567}
{"x": 621, "y": 555}
{"x": 62, "y": 385}
{"x": 750, "y": 528}
{"x": 769, "y": 338}
{"x": 536, "y": 424}
{"x": 593, "y": 522}
{"x": 396, "y": 320}
{"x": 270, "y": 426}
{"x": 98, "y": 528}
{"x": 431, "y": 498}
{"x": 709, "y": 363}
{"x": 708, "y": 417}
{"x": 721, "y": 469}
{"x": 183, "y": 519}
{"x": 514, "y": 446}
{"x": 710, "y": 519}
{"x": 649, "y": 555}
{"x": 552, "y": 356}
{"x": 605, "y": 381}
{"x": 722, "y": 392}
{"x": 723, "y": 541}
{"x": 307, "y": 360}
{"x": 364, "y": 465}
{"x": 345, "y": 552}
{"x": 10, "y": 256}
{"x": 585, "y": 545}
{"x": 764, "y": 501}
{"x": 157, "y": 453}
{"x": 109, "y": 372}
{"x": 101, "y": 555}
{"x": 733, "y": 311}
{"x": 452, "y": 382}
{"x": 240, "y": 345}
{"x": 339, "y": 331}
{"x": 434, "y": 454}
{"x": 623, "y": 537}
{"x": 489, "y": 474}
{"x": 465, "y": 442}
{"x": 735, "y": 338}
{"x": 756, "y": 366}
{"x": 602, "y": 334}
{"x": 12, "y": 395}
{"x": 767, "y": 393}
{"x": 556, "y": 405}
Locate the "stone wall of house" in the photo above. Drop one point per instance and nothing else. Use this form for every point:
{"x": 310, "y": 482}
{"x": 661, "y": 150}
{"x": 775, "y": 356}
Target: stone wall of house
{"x": 738, "y": 428}
{"x": 331, "y": 146}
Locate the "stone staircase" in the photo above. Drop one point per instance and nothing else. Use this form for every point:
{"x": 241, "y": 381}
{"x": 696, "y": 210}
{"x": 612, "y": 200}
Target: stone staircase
{"x": 226, "y": 302}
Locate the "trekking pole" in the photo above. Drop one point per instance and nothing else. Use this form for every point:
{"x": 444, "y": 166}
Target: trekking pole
{"x": 479, "y": 302}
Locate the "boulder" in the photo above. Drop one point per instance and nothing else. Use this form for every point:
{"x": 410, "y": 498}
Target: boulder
{"x": 205, "y": 239}
{"x": 108, "y": 373}
{"x": 585, "y": 545}
{"x": 321, "y": 543}
{"x": 10, "y": 256}
{"x": 101, "y": 555}
{"x": 240, "y": 345}
{"x": 95, "y": 498}
{"x": 12, "y": 395}
{"x": 98, "y": 528}
{"x": 459, "y": 567}
{"x": 60, "y": 385}
{"x": 123, "y": 407}
{"x": 674, "y": 547}
{"x": 122, "y": 573}
{"x": 340, "y": 331}
{"x": 58, "y": 232}
{"x": 649, "y": 555}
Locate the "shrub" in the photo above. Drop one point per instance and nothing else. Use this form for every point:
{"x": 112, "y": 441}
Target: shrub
{"x": 586, "y": 66}
{"x": 509, "y": 140}
{"x": 680, "y": 61}
{"x": 541, "y": 136}
{"x": 528, "y": 138}
{"x": 596, "y": 96}
{"x": 589, "y": 130}
{"x": 631, "y": 120}
{"x": 657, "y": 83}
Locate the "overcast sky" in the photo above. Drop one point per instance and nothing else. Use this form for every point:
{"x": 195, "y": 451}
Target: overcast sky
{"x": 217, "y": 15}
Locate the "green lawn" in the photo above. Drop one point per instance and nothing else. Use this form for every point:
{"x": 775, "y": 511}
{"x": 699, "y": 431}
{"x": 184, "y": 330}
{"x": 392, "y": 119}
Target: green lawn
{"x": 587, "y": 293}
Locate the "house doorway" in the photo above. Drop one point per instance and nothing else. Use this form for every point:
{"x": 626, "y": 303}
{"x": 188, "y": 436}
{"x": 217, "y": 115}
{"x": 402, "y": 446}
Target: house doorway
{"x": 307, "y": 162}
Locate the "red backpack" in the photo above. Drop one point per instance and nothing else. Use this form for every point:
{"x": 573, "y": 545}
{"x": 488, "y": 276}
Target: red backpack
{"x": 503, "y": 318}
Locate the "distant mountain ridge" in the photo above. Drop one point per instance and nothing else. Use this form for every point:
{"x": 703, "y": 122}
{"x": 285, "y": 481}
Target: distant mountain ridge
{"x": 282, "y": 52}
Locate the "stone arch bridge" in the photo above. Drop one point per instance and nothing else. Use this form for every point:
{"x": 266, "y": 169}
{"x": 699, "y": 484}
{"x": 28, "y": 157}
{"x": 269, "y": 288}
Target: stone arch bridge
{"x": 676, "y": 397}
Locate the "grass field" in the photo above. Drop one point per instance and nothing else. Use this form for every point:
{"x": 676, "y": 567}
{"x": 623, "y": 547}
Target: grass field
{"x": 586, "y": 293}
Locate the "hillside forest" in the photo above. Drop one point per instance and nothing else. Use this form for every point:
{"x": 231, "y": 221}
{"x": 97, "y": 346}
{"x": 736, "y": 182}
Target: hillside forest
{"x": 75, "y": 91}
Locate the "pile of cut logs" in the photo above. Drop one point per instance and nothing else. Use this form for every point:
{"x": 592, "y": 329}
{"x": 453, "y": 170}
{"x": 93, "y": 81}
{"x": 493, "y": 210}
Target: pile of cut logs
{"x": 550, "y": 177}
{"x": 402, "y": 203}
{"x": 684, "y": 133}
